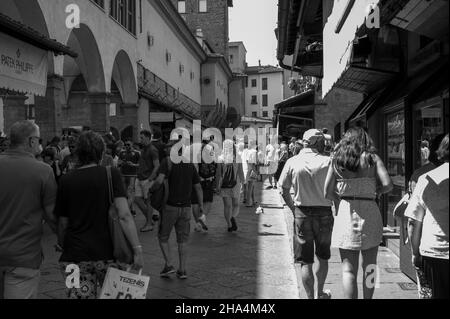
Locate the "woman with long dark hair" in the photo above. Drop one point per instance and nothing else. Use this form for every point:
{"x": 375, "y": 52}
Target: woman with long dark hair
{"x": 355, "y": 179}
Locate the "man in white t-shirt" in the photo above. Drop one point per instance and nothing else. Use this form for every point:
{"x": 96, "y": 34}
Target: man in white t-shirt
{"x": 428, "y": 229}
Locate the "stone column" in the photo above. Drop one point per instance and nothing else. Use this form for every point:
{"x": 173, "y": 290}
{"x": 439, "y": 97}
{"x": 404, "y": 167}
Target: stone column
{"x": 14, "y": 110}
{"x": 100, "y": 103}
{"x": 49, "y": 108}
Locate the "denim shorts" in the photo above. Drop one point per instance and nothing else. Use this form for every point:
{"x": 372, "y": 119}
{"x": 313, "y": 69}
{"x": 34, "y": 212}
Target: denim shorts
{"x": 178, "y": 217}
{"x": 313, "y": 227}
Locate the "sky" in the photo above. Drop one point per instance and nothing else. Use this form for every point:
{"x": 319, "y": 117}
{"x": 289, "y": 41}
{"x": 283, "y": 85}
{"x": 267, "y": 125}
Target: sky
{"x": 253, "y": 22}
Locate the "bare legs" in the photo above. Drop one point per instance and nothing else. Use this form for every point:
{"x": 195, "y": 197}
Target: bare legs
{"x": 165, "y": 249}
{"x": 182, "y": 254}
{"x": 308, "y": 278}
{"x": 147, "y": 210}
{"x": 228, "y": 210}
{"x": 350, "y": 265}
{"x": 250, "y": 194}
{"x": 231, "y": 210}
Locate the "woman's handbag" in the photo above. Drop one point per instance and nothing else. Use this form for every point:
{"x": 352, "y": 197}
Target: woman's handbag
{"x": 400, "y": 208}
{"x": 122, "y": 250}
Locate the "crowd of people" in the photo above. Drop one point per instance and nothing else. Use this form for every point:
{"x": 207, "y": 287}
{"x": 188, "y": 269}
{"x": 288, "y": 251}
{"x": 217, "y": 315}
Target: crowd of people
{"x": 71, "y": 183}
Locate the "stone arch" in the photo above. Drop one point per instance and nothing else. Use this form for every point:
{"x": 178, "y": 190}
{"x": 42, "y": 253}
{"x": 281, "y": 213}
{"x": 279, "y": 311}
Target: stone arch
{"x": 124, "y": 78}
{"x": 88, "y": 63}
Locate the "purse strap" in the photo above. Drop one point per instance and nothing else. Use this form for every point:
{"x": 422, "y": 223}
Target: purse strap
{"x": 110, "y": 185}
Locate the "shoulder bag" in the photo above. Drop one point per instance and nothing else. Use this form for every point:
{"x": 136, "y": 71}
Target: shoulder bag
{"x": 122, "y": 250}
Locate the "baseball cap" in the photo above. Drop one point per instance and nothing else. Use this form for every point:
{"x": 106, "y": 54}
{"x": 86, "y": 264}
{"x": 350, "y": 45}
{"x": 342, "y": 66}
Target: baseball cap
{"x": 312, "y": 136}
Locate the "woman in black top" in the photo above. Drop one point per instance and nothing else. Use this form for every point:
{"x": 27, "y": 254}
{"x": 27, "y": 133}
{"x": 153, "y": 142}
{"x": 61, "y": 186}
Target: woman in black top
{"x": 82, "y": 206}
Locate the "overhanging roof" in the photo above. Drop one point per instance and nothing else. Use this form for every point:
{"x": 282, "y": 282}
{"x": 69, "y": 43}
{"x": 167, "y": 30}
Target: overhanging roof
{"x": 22, "y": 32}
{"x": 297, "y": 99}
{"x": 363, "y": 80}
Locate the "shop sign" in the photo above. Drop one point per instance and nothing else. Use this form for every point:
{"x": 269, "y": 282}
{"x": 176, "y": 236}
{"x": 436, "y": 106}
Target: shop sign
{"x": 23, "y": 67}
{"x": 161, "y": 117}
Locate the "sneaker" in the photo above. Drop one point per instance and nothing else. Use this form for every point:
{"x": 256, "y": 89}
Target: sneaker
{"x": 198, "y": 228}
{"x": 234, "y": 226}
{"x": 168, "y": 270}
{"x": 269, "y": 187}
{"x": 182, "y": 275}
{"x": 202, "y": 222}
{"x": 326, "y": 294}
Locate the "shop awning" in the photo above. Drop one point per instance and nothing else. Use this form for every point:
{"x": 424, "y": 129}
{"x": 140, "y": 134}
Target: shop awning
{"x": 363, "y": 80}
{"x": 26, "y": 34}
{"x": 24, "y": 57}
{"x": 416, "y": 88}
{"x": 306, "y": 98}
{"x": 367, "y": 104}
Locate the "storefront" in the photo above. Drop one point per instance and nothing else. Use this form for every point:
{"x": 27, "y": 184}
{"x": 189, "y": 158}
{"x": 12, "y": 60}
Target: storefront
{"x": 24, "y": 67}
{"x": 413, "y": 111}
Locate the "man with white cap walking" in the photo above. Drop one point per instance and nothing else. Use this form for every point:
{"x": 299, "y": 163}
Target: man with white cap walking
{"x": 314, "y": 221}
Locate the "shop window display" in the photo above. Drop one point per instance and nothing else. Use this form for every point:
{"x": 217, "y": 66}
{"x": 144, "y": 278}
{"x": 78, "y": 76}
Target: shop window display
{"x": 396, "y": 161}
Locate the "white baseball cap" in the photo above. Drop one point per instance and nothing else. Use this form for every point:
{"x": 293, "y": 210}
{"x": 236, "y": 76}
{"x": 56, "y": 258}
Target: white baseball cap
{"x": 312, "y": 136}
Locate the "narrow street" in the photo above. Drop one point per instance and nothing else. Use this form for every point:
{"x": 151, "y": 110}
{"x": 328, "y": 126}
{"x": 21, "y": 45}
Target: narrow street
{"x": 254, "y": 263}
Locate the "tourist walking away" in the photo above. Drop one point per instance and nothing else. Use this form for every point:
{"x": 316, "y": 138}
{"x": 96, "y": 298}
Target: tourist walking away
{"x": 283, "y": 158}
{"x": 27, "y": 197}
{"x": 228, "y": 178}
{"x": 182, "y": 179}
{"x": 128, "y": 163}
{"x": 146, "y": 173}
{"x": 356, "y": 178}
{"x": 207, "y": 168}
{"x": 82, "y": 208}
{"x": 313, "y": 216}
{"x": 428, "y": 227}
{"x": 244, "y": 153}
{"x": 251, "y": 174}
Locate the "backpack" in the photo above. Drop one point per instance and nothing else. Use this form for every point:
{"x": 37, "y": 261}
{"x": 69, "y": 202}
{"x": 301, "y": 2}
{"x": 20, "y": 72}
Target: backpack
{"x": 229, "y": 176}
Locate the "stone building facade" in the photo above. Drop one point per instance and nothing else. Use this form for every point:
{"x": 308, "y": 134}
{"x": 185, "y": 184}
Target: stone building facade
{"x": 211, "y": 16}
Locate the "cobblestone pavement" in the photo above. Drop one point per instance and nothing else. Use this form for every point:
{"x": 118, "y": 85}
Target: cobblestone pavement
{"x": 254, "y": 263}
